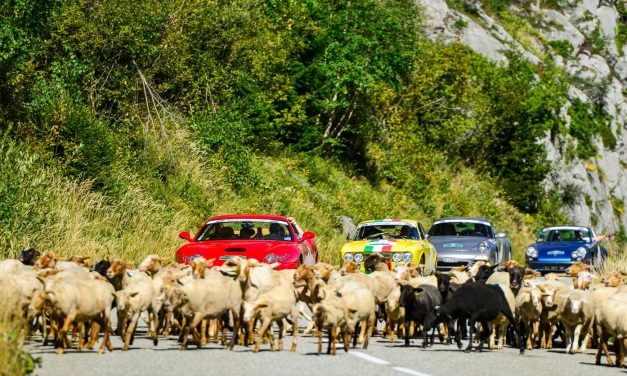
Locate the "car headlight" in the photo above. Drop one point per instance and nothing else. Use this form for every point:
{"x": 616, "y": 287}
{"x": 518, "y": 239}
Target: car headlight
{"x": 358, "y": 257}
{"x": 531, "y": 252}
{"x": 407, "y": 257}
{"x": 397, "y": 257}
{"x": 348, "y": 257}
{"x": 484, "y": 247}
{"x": 579, "y": 253}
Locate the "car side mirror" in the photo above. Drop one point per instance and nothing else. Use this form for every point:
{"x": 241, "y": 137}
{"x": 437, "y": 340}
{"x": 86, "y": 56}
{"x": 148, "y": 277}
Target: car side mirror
{"x": 185, "y": 235}
{"x": 501, "y": 235}
{"x": 307, "y": 236}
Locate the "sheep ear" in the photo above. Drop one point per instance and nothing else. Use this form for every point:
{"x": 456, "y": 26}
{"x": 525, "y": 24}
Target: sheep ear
{"x": 262, "y": 305}
{"x": 48, "y": 295}
{"x": 115, "y": 294}
{"x": 437, "y": 273}
{"x": 128, "y": 263}
{"x": 402, "y": 282}
{"x": 418, "y": 289}
{"x": 133, "y": 294}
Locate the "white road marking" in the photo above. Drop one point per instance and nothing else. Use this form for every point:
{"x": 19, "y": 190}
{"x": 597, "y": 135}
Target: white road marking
{"x": 409, "y": 371}
{"x": 369, "y": 358}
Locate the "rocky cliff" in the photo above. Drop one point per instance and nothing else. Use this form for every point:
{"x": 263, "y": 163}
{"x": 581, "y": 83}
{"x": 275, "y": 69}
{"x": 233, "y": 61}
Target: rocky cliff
{"x": 587, "y": 39}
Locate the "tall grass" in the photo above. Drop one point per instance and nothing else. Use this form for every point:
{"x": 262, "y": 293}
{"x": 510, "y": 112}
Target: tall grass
{"x": 12, "y": 334}
{"x": 144, "y": 215}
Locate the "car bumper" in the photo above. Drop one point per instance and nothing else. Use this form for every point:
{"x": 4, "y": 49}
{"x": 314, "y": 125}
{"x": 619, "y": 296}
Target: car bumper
{"x": 448, "y": 263}
{"x": 543, "y": 266}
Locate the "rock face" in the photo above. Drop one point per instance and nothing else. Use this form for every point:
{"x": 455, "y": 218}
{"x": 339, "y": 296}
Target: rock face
{"x": 598, "y": 66}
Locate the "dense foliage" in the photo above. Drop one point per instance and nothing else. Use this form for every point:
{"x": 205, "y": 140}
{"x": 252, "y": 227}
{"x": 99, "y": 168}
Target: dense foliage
{"x": 91, "y": 78}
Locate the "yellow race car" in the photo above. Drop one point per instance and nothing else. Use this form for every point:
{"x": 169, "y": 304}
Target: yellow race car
{"x": 398, "y": 240}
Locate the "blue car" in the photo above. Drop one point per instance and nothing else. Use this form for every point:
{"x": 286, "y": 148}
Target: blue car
{"x": 559, "y": 247}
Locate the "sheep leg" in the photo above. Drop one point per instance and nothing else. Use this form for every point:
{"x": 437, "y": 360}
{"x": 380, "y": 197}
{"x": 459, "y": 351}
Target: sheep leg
{"x": 184, "y": 336}
{"x": 575, "y": 339}
{"x": 212, "y": 330}
{"x": 568, "y": 333}
{"x": 94, "y": 330}
{"x": 370, "y": 324}
{"x": 586, "y": 339}
{"x": 222, "y": 327}
{"x": 621, "y": 362}
{"x": 193, "y": 326}
{"x": 552, "y": 328}
{"x": 331, "y": 340}
{"x": 80, "y": 331}
{"x": 130, "y": 330}
{"x": 529, "y": 331}
{"x": 104, "y": 322}
{"x": 603, "y": 347}
{"x": 236, "y": 328}
{"x": 62, "y": 334}
{"x": 168, "y": 324}
{"x": 482, "y": 339}
{"x": 493, "y": 333}
{"x": 203, "y": 332}
{"x": 294, "y": 316}
{"x": 44, "y": 326}
{"x": 471, "y": 331}
{"x": 356, "y": 329}
{"x": 362, "y": 333}
{"x": 264, "y": 326}
{"x": 319, "y": 334}
{"x": 407, "y": 331}
{"x": 330, "y": 332}
{"x": 281, "y": 325}
{"x": 346, "y": 337}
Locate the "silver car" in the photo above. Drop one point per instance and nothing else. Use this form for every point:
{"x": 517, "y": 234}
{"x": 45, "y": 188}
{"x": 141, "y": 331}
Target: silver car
{"x": 463, "y": 241}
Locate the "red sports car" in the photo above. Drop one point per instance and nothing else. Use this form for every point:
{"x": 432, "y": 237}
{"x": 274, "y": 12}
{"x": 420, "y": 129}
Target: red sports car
{"x": 267, "y": 238}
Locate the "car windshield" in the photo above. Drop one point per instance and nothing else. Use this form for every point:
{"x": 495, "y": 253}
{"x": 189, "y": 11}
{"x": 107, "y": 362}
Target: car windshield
{"x": 246, "y": 229}
{"x": 401, "y": 230}
{"x": 565, "y": 235}
{"x": 461, "y": 229}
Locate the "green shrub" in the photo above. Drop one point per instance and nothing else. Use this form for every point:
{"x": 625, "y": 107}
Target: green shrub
{"x": 562, "y": 48}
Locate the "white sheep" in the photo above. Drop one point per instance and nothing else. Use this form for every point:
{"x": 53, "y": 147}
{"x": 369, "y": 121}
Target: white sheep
{"x": 274, "y": 306}
{"x": 577, "y": 316}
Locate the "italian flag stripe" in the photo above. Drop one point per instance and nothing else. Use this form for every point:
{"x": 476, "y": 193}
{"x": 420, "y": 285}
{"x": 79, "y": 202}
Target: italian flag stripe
{"x": 377, "y": 248}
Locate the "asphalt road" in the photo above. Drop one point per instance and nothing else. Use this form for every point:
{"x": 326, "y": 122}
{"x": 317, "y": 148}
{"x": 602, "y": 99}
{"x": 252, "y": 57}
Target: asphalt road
{"x": 381, "y": 358}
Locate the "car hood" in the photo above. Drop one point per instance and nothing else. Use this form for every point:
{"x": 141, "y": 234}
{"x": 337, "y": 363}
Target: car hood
{"x": 223, "y": 250}
{"x": 564, "y": 246}
{"x": 557, "y": 250}
{"x": 383, "y": 245}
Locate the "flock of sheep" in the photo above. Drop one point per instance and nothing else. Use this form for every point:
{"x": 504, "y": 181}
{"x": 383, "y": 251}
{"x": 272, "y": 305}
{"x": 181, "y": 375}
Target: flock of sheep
{"x": 486, "y": 302}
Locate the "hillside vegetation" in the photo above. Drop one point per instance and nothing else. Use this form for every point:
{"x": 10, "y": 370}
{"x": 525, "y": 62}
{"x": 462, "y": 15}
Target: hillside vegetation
{"x": 125, "y": 122}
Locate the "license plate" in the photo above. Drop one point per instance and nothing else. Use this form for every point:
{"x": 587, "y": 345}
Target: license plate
{"x": 554, "y": 267}
{"x": 555, "y": 253}
{"x": 449, "y": 259}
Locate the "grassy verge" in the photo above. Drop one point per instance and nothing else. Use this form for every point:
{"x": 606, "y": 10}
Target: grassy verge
{"x": 143, "y": 215}
{"x": 13, "y": 361}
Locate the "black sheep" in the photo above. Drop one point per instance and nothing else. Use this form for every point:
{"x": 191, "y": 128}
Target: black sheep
{"x": 418, "y": 302}
{"x": 29, "y": 256}
{"x": 477, "y": 303}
